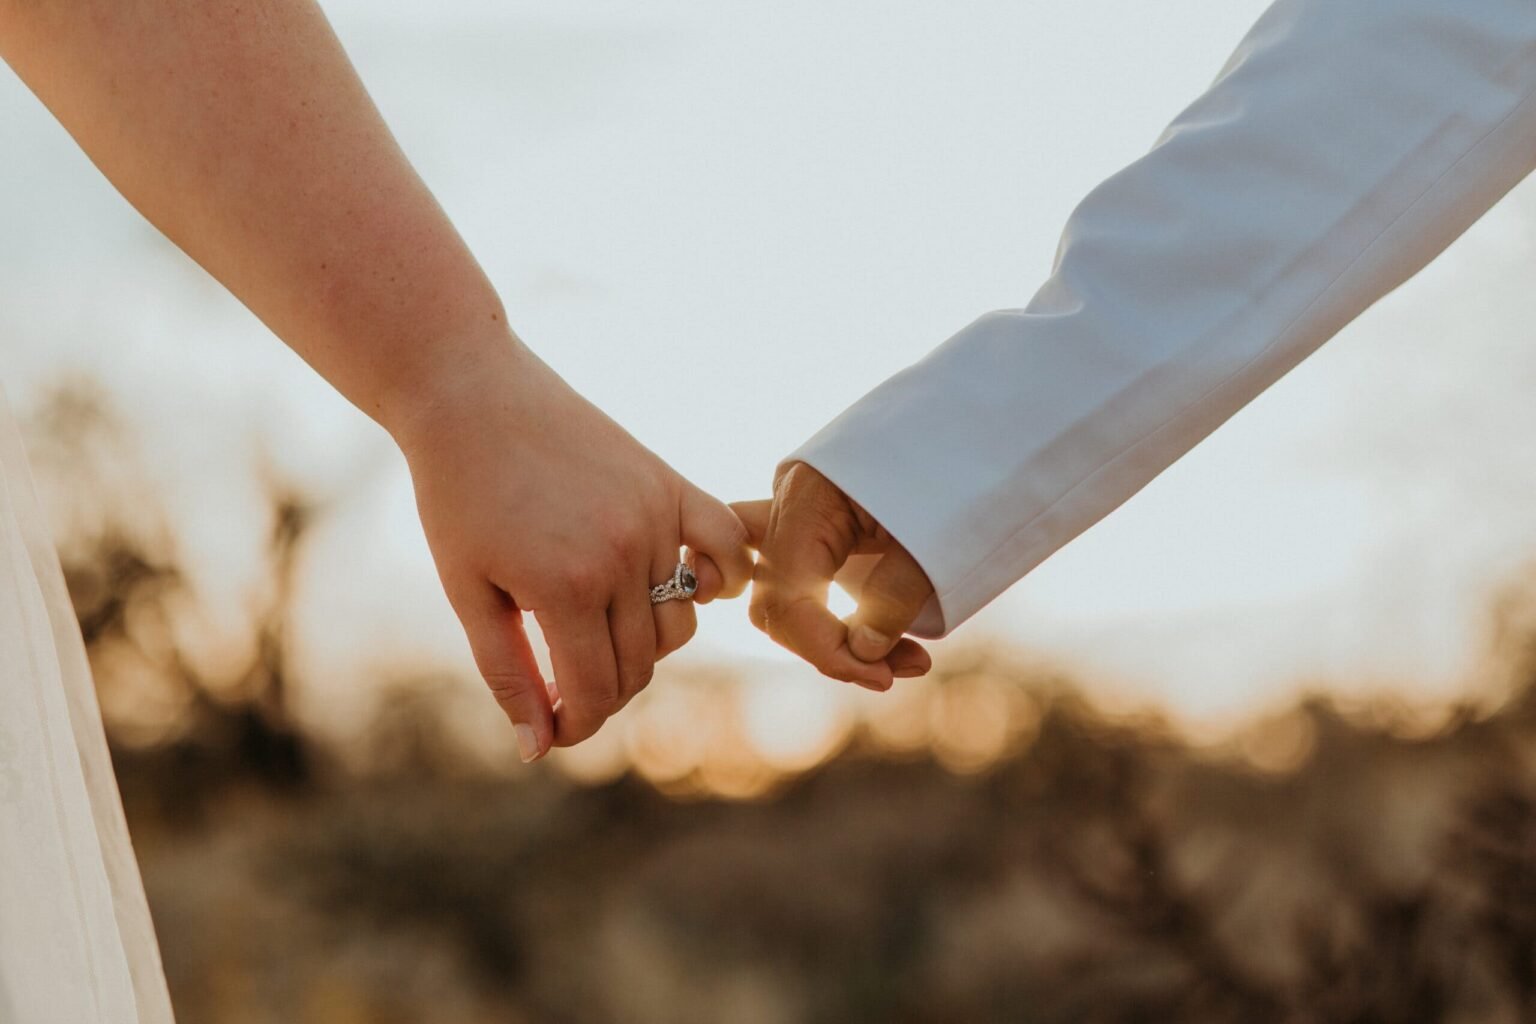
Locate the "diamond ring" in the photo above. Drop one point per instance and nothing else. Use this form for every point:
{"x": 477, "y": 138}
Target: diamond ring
{"x": 681, "y": 587}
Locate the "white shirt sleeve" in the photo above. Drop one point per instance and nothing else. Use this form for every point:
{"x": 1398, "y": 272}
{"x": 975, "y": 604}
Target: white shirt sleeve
{"x": 1342, "y": 147}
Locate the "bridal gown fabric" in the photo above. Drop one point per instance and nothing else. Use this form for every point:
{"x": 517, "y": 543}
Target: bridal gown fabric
{"x": 76, "y": 942}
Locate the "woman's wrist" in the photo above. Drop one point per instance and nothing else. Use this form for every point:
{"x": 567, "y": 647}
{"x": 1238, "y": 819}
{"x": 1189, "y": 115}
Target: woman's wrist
{"x": 454, "y": 375}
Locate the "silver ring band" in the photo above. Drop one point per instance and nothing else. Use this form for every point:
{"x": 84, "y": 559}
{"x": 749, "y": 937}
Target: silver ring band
{"x": 681, "y": 587}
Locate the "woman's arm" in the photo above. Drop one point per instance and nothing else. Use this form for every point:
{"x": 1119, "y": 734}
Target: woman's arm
{"x": 241, "y": 130}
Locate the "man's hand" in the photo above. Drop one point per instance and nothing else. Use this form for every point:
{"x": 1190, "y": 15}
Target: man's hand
{"x": 806, "y": 536}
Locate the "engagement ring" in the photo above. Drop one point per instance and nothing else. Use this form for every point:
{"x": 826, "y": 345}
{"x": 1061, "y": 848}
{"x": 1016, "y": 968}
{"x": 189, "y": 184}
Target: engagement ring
{"x": 680, "y": 587}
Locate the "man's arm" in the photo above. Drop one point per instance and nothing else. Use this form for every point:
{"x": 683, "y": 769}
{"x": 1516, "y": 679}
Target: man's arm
{"x": 1343, "y": 146}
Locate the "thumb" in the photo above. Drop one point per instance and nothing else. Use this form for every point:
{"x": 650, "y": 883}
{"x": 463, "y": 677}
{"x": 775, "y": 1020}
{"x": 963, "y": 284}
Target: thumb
{"x": 889, "y": 602}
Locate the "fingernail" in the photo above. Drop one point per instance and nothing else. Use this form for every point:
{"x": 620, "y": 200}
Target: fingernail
{"x": 909, "y": 672}
{"x": 527, "y": 743}
{"x": 873, "y": 641}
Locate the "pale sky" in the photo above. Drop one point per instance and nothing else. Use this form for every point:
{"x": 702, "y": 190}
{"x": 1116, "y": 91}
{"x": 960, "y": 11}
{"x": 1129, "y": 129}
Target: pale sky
{"x": 768, "y": 208}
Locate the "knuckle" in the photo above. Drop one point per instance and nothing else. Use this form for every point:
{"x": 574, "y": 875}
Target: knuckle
{"x": 604, "y": 705}
{"x": 636, "y": 668}
{"x": 639, "y": 679}
{"x": 795, "y": 476}
{"x": 626, "y": 542}
{"x": 581, "y": 580}
{"x": 509, "y": 689}
{"x": 574, "y": 730}
{"x": 598, "y": 701}
{"x": 804, "y": 489}
{"x": 841, "y": 673}
{"x": 581, "y": 720}
{"x": 829, "y": 666}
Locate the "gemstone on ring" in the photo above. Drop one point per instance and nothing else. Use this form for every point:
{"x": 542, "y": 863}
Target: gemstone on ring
{"x": 681, "y": 587}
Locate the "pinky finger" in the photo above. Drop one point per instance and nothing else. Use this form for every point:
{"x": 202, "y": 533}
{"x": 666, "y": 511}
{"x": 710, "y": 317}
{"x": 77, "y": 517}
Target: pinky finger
{"x": 712, "y": 531}
{"x": 711, "y": 579}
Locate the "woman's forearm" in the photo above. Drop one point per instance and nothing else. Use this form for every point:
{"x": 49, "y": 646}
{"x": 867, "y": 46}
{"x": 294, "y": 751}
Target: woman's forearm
{"x": 240, "y": 129}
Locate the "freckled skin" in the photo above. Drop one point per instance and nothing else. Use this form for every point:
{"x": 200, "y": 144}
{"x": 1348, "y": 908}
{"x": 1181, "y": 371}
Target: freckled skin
{"x": 244, "y": 134}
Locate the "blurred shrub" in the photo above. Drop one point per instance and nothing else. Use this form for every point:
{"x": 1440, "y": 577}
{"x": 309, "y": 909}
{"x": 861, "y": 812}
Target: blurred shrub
{"x": 1003, "y": 852}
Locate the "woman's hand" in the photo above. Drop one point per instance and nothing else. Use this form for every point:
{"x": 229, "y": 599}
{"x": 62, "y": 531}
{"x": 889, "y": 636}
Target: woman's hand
{"x": 534, "y": 501}
{"x": 243, "y": 132}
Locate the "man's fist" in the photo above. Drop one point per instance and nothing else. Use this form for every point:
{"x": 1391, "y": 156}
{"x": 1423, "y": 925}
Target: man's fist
{"x": 809, "y": 534}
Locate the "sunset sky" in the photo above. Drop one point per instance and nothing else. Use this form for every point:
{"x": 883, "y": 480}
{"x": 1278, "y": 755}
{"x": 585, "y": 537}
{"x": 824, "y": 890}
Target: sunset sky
{"x": 766, "y": 209}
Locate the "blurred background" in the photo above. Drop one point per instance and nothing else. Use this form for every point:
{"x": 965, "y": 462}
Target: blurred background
{"x": 1258, "y": 747}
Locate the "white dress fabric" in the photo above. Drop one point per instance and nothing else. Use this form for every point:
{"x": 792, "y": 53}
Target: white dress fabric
{"x": 76, "y": 942}
{"x": 1341, "y": 148}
